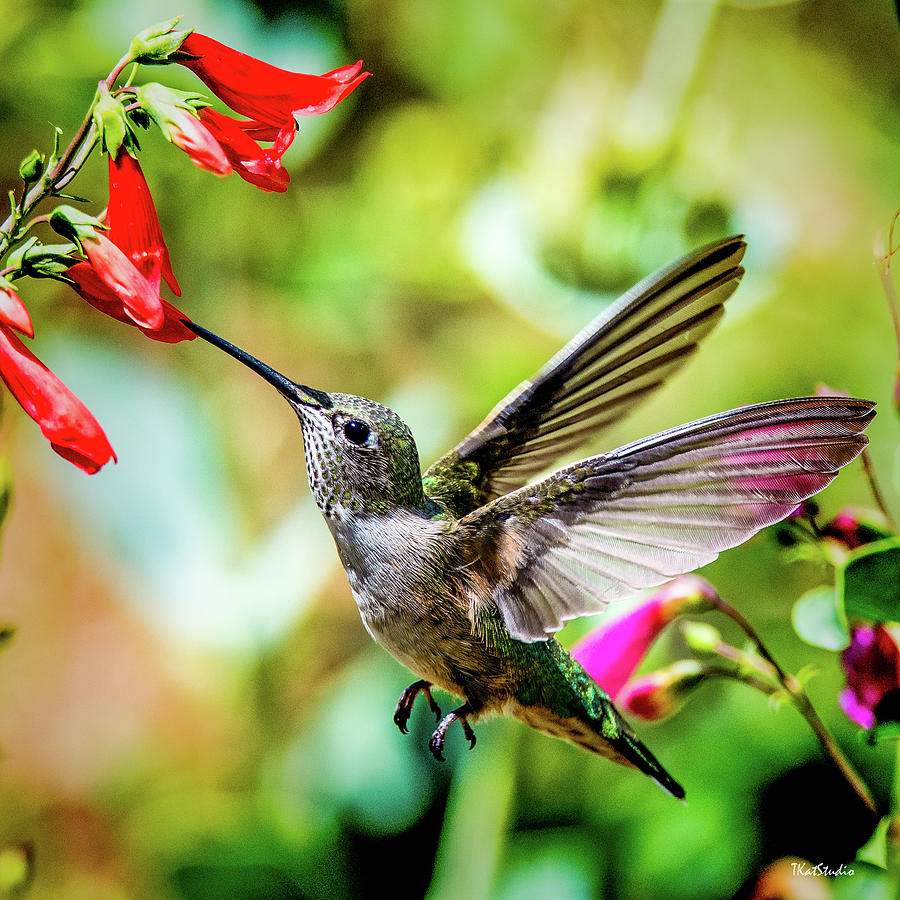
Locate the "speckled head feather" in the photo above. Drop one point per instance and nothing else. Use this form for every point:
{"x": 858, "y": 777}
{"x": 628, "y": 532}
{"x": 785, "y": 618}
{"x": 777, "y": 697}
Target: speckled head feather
{"x": 374, "y": 475}
{"x": 347, "y": 474}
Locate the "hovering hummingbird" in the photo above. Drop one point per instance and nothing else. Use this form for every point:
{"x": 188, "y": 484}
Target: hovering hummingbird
{"x": 465, "y": 574}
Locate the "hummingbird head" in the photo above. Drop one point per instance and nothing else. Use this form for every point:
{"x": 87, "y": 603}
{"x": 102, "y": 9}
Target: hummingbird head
{"x": 360, "y": 456}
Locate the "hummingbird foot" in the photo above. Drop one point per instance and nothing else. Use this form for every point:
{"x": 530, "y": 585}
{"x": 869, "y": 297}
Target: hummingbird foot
{"x": 408, "y": 698}
{"x": 436, "y": 744}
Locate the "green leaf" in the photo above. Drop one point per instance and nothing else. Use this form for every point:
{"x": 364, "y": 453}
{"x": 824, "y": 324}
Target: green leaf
{"x": 874, "y": 851}
{"x": 818, "y": 619}
{"x": 868, "y": 584}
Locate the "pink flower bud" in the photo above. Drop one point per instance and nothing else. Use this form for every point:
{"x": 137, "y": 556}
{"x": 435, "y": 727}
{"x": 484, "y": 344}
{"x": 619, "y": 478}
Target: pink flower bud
{"x": 662, "y": 693}
{"x": 611, "y": 652}
{"x": 187, "y": 132}
{"x": 852, "y": 527}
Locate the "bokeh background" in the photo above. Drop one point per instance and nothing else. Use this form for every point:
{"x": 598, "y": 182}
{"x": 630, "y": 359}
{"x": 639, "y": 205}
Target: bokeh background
{"x": 190, "y": 707}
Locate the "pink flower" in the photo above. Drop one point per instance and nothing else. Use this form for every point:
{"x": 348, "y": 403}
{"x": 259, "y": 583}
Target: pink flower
{"x": 264, "y": 92}
{"x": 872, "y": 666}
{"x": 854, "y": 527}
{"x": 613, "y": 651}
{"x": 64, "y": 420}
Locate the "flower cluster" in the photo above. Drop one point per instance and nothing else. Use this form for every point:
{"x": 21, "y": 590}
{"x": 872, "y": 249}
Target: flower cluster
{"x": 119, "y": 262}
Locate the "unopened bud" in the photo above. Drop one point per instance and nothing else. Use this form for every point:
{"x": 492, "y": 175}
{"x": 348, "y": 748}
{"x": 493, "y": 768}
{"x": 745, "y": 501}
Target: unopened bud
{"x": 74, "y": 224}
{"x": 701, "y": 638}
{"x": 854, "y": 527}
{"x": 662, "y": 693}
{"x": 109, "y": 117}
{"x": 687, "y": 594}
{"x": 31, "y": 167}
{"x": 157, "y": 44}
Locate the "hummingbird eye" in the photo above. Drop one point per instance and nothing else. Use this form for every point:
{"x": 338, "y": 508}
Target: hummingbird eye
{"x": 356, "y": 432}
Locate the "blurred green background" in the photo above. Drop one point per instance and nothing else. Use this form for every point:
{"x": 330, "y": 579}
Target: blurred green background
{"x": 191, "y": 707}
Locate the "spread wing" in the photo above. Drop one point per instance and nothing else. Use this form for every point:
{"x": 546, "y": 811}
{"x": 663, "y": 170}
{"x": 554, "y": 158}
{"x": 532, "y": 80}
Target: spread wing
{"x": 607, "y": 526}
{"x": 618, "y": 359}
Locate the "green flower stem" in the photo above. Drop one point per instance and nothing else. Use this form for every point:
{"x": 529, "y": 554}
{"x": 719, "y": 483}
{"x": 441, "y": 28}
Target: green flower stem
{"x": 759, "y": 683}
{"x": 62, "y": 172}
{"x": 880, "y": 502}
{"x": 801, "y": 701}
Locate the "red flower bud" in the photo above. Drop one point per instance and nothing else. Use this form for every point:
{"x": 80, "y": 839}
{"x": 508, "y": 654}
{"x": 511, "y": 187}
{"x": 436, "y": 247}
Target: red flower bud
{"x": 141, "y": 302}
{"x": 186, "y": 131}
{"x": 64, "y": 420}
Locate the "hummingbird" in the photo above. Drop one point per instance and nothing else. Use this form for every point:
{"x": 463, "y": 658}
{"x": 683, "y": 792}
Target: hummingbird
{"x": 466, "y": 573}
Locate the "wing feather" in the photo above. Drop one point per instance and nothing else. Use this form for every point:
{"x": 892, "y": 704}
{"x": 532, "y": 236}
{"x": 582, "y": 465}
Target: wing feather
{"x": 621, "y": 357}
{"x": 605, "y": 527}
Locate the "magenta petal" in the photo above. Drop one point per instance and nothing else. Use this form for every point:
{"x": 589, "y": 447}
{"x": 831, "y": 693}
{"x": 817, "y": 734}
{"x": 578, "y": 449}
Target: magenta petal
{"x": 613, "y": 651}
{"x": 856, "y": 711}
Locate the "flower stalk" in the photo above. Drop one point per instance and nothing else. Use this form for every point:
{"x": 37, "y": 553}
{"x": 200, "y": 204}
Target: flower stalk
{"x": 798, "y": 696}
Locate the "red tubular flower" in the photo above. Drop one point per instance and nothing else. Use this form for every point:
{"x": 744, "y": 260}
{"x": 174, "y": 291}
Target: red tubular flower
{"x": 133, "y": 223}
{"x": 254, "y": 164}
{"x": 872, "y": 666}
{"x": 263, "y": 92}
{"x": 64, "y": 420}
{"x": 134, "y": 228}
{"x": 139, "y": 299}
{"x": 186, "y": 131}
{"x": 613, "y": 651}
{"x": 12, "y": 310}
{"x": 94, "y": 291}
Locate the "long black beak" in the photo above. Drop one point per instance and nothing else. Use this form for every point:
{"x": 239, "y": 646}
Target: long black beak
{"x": 295, "y": 394}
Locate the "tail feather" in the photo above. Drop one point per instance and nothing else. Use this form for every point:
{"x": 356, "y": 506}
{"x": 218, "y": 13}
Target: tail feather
{"x": 564, "y": 701}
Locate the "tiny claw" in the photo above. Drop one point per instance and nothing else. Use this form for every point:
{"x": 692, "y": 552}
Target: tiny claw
{"x": 406, "y": 701}
{"x": 436, "y": 744}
